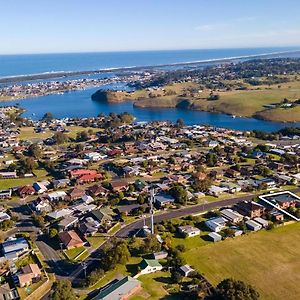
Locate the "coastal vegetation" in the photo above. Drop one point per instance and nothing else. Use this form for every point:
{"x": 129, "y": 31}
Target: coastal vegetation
{"x": 264, "y": 89}
{"x": 265, "y": 102}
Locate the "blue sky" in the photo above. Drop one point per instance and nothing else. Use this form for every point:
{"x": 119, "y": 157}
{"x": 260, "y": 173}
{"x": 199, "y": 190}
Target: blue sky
{"x": 43, "y": 26}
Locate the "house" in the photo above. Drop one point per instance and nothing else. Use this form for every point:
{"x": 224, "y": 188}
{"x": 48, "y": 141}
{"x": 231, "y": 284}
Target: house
{"x": 25, "y": 190}
{"x": 57, "y": 196}
{"x": 14, "y": 247}
{"x": 231, "y": 215}
{"x": 4, "y": 217}
{"x": 93, "y": 156}
{"x": 30, "y": 273}
{"x": 121, "y": 289}
{"x": 185, "y": 270}
{"x": 82, "y": 172}
{"x": 216, "y": 191}
{"x": 41, "y": 205}
{"x": 40, "y": 187}
{"x": 6, "y": 293}
{"x": 75, "y": 194}
{"x": 87, "y": 199}
{"x": 67, "y": 223}
{"x": 189, "y": 231}
{"x": 70, "y": 239}
{"x": 60, "y": 183}
{"x": 162, "y": 200}
{"x": 60, "y": 213}
{"x": 89, "y": 227}
{"x": 148, "y": 266}
{"x": 8, "y": 175}
{"x": 159, "y": 255}
{"x": 97, "y": 190}
{"x": 232, "y": 173}
{"x": 88, "y": 178}
{"x": 103, "y": 216}
{"x": 250, "y": 209}
{"x": 282, "y": 201}
{"x": 140, "y": 185}
{"x": 276, "y": 215}
{"x": 5, "y": 194}
{"x": 119, "y": 185}
{"x": 286, "y": 200}
{"x": 216, "y": 224}
{"x": 252, "y": 225}
{"x": 269, "y": 182}
{"x": 231, "y": 187}
{"x": 284, "y": 179}
{"x": 264, "y": 223}
{"x": 215, "y": 237}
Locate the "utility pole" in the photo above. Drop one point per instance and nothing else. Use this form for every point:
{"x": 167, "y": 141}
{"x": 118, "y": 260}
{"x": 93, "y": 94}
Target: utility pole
{"x": 84, "y": 268}
{"x": 151, "y": 209}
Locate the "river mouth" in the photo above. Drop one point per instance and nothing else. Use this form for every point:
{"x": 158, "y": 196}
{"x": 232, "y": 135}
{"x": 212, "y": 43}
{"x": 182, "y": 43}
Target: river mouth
{"x": 79, "y": 104}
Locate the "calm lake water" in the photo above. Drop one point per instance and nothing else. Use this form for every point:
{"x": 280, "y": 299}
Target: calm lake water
{"x": 79, "y": 103}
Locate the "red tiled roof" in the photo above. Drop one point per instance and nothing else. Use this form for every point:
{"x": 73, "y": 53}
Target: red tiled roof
{"x": 70, "y": 238}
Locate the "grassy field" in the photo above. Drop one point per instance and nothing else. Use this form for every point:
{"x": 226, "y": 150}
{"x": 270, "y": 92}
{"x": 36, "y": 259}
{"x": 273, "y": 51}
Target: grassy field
{"x": 248, "y": 102}
{"x": 28, "y": 133}
{"x": 268, "y": 259}
{"x": 245, "y": 103}
{"x": 41, "y": 174}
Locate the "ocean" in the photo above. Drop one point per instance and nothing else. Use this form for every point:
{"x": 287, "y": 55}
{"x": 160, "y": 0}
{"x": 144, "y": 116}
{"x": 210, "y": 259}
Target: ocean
{"x": 14, "y": 65}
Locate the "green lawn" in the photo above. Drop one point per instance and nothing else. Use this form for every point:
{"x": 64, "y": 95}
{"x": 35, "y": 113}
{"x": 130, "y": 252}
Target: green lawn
{"x": 71, "y": 254}
{"x": 28, "y": 133}
{"x": 154, "y": 287}
{"x": 9, "y": 183}
{"x": 269, "y": 260}
{"x": 96, "y": 240}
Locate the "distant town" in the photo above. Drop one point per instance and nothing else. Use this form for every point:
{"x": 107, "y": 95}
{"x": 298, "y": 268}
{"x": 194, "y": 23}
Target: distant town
{"x": 111, "y": 208}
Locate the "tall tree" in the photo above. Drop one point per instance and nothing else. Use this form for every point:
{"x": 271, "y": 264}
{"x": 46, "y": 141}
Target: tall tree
{"x": 230, "y": 289}
{"x": 62, "y": 290}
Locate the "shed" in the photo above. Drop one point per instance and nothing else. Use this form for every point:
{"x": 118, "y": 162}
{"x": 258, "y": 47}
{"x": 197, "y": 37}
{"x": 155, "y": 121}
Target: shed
{"x": 262, "y": 222}
{"x": 215, "y": 237}
{"x": 185, "y": 270}
{"x": 252, "y": 225}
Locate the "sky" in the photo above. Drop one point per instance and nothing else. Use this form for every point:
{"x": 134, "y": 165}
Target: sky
{"x": 53, "y": 26}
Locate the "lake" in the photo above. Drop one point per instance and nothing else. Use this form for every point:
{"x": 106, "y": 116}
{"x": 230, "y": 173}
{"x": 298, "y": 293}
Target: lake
{"x": 79, "y": 104}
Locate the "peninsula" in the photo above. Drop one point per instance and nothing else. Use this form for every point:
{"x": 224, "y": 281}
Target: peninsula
{"x": 273, "y": 94}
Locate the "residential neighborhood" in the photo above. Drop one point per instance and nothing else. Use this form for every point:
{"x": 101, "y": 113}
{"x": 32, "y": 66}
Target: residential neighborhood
{"x": 105, "y": 207}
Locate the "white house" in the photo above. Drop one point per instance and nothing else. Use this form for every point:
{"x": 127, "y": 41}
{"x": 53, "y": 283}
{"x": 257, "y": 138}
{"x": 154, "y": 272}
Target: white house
{"x": 189, "y": 231}
{"x": 216, "y": 224}
{"x": 148, "y": 266}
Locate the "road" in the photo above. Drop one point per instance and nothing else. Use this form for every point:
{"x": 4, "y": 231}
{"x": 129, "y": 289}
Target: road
{"x": 128, "y": 229}
{"x": 192, "y": 210}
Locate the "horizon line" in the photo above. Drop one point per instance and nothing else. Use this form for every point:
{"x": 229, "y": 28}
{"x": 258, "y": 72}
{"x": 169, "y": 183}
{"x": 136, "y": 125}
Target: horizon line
{"x": 152, "y": 50}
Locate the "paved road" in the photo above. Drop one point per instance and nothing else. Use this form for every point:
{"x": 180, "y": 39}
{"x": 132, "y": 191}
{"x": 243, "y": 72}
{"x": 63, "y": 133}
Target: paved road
{"x": 52, "y": 258}
{"x": 74, "y": 277}
{"x": 124, "y": 232}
